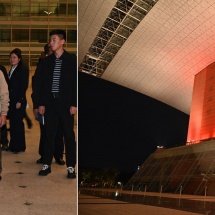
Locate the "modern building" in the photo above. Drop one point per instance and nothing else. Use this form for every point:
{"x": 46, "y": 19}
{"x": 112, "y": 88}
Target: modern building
{"x": 26, "y": 25}
{"x": 158, "y": 48}
{"x": 202, "y": 113}
{"x": 181, "y": 170}
{"x": 163, "y": 44}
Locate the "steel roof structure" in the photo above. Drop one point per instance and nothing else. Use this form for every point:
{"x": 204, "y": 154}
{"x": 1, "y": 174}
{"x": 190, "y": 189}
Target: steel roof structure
{"x": 154, "y": 47}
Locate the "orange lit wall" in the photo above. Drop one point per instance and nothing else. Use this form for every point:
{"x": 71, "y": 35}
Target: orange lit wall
{"x": 202, "y": 114}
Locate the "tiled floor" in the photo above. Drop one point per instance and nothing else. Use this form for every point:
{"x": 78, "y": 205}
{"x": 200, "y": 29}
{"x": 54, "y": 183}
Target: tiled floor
{"x": 24, "y": 192}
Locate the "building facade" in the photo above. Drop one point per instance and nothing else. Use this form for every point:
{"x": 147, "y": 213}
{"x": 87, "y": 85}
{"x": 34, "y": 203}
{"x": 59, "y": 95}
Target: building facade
{"x": 26, "y": 24}
{"x": 202, "y": 113}
{"x": 180, "y": 170}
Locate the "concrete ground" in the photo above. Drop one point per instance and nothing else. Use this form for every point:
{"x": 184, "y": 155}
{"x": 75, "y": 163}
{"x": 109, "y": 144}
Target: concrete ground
{"x": 100, "y": 201}
{"x": 23, "y": 191}
{"x": 91, "y": 205}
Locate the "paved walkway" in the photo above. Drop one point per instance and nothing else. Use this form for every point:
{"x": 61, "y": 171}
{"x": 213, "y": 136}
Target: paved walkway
{"x": 135, "y": 203}
{"x": 90, "y": 205}
{"x": 24, "y": 192}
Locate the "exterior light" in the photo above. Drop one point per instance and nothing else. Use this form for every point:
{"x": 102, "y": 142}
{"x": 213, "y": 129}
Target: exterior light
{"x": 48, "y": 13}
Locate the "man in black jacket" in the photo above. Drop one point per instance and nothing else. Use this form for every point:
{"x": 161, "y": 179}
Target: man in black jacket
{"x": 59, "y": 142}
{"x": 58, "y": 100}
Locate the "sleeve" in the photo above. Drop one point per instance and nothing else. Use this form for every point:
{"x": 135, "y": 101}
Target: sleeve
{"x": 23, "y": 78}
{"x": 3, "y": 69}
{"x": 4, "y": 95}
{"x": 74, "y": 82}
{"x": 35, "y": 87}
{"x": 39, "y": 84}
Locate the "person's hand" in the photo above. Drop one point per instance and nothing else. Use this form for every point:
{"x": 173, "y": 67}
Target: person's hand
{"x": 2, "y": 120}
{"x": 73, "y": 110}
{"x": 18, "y": 105}
{"x": 41, "y": 110}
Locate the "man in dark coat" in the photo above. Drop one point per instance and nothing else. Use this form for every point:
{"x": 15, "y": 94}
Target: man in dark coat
{"x": 58, "y": 100}
{"x": 59, "y": 142}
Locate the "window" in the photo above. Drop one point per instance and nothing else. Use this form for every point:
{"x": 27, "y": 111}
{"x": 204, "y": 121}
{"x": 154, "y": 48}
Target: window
{"x": 20, "y": 9}
{"x": 39, "y": 35}
{"x": 72, "y": 36}
{"x": 5, "y": 9}
{"x": 5, "y": 35}
{"x": 72, "y": 9}
{"x": 20, "y": 35}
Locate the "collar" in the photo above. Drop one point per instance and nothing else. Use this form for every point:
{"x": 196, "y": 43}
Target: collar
{"x": 62, "y": 55}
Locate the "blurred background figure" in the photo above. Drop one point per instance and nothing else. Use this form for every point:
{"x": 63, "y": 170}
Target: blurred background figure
{"x": 42, "y": 56}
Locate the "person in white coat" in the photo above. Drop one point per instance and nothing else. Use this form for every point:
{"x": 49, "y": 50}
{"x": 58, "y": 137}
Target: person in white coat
{"x": 4, "y": 103}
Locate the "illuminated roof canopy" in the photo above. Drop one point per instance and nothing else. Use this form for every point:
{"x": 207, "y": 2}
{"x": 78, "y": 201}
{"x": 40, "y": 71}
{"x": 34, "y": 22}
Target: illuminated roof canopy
{"x": 153, "y": 47}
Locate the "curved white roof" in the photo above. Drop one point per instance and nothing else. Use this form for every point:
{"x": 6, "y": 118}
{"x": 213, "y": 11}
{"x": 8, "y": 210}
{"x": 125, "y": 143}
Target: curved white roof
{"x": 173, "y": 42}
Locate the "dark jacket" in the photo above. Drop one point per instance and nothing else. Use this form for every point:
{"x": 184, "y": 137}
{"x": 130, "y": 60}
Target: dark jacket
{"x": 68, "y": 81}
{"x": 18, "y": 84}
{"x": 35, "y": 87}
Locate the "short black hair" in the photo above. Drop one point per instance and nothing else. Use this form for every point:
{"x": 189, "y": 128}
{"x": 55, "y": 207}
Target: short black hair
{"x": 59, "y": 32}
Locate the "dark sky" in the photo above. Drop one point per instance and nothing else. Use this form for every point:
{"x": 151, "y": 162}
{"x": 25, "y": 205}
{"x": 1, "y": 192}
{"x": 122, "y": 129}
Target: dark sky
{"x": 120, "y": 128}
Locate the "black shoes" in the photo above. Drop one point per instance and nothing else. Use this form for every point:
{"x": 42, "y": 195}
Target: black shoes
{"x": 60, "y": 161}
{"x": 15, "y": 151}
{"x": 71, "y": 172}
{"x": 45, "y": 170}
{"x": 5, "y": 147}
{"x": 39, "y": 161}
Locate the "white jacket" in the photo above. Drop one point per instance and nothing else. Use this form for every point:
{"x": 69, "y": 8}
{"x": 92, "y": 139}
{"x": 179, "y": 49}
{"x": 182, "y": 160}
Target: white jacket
{"x": 4, "y": 95}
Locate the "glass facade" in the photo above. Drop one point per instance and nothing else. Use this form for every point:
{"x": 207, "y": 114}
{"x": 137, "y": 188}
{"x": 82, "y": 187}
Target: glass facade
{"x": 180, "y": 170}
{"x": 26, "y": 25}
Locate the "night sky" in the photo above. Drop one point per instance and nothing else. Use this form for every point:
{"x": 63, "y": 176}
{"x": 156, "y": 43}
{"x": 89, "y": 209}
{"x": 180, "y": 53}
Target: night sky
{"x": 119, "y": 128}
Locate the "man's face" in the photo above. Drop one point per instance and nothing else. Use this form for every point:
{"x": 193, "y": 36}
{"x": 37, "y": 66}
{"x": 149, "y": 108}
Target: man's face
{"x": 56, "y": 43}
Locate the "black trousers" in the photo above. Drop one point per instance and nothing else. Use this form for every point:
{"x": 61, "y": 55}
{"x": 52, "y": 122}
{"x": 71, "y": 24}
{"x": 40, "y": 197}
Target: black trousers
{"x": 53, "y": 119}
{"x": 59, "y": 142}
{"x": 4, "y": 139}
{"x": 17, "y": 129}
